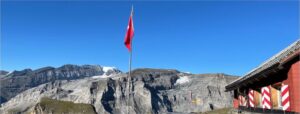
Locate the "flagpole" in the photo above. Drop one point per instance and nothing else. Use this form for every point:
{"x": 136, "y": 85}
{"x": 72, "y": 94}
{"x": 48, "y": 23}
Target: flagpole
{"x": 129, "y": 73}
{"x": 130, "y": 60}
{"x": 130, "y": 56}
{"x": 129, "y": 78}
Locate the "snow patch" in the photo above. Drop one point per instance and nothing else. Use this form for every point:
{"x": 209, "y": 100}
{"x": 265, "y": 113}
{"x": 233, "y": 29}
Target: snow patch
{"x": 100, "y": 76}
{"x": 106, "y": 69}
{"x": 182, "y": 80}
{"x": 9, "y": 72}
{"x": 108, "y": 72}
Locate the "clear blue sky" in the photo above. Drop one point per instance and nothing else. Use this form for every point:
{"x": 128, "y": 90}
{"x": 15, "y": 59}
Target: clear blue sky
{"x": 200, "y": 37}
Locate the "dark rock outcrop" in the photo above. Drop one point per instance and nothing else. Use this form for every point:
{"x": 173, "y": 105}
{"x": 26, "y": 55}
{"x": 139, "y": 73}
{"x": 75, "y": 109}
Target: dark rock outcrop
{"x": 3, "y": 73}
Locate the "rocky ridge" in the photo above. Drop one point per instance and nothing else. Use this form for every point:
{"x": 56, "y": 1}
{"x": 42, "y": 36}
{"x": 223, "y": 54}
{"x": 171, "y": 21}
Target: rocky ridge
{"x": 149, "y": 91}
{"x": 18, "y": 81}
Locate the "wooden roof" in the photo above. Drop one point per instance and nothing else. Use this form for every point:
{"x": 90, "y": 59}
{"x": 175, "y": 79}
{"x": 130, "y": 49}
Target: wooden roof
{"x": 275, "y": 61}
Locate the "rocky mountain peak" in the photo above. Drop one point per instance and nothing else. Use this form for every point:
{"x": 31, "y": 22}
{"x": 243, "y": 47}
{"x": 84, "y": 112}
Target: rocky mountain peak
{"x": 21, "y": 73}
{"x": 106, "y": 90}
{"x": 149, "y": 91}
{"x": 3, "y": 72}
{"x": 146, "y": 71}
{"x": 13, "y": 83}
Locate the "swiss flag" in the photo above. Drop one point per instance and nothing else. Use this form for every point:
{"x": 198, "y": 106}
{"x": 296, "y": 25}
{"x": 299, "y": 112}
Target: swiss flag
{"x": 129, "y": 33}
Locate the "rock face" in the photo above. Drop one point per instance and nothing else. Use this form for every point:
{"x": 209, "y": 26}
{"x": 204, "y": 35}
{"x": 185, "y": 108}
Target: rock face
{"x": 3, "y": 72}
{"x": 18, "y": 81}
{"x": 149, "y": 91}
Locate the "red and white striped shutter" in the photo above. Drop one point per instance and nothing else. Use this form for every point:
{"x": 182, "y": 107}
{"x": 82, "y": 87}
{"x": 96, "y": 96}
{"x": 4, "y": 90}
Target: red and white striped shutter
{"x": 266, "y": 97}
{"x": 240, "y": 100}
{"x": 285, "y": 98}
{"x": 244, "y": 101}
{"x": 251, "y": 98}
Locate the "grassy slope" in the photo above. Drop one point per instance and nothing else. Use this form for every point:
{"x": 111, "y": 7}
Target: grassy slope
{"x": 219, "y": 111}
{"x": 64, "y": 107}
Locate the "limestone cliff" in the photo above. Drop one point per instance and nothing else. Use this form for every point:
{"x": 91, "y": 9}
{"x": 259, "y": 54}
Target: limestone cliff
{"x": 149, "y": 91}
{"x": 18, "y": 81}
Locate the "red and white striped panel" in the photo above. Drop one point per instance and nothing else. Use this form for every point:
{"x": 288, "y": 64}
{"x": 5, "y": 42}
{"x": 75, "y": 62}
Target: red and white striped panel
{"x": 251, "y": 98}
{"x": 242, "y": 101}
{"x": 266, "y": 97}
{"x": 285, "y": 98}
{"x": 245, "y": 102}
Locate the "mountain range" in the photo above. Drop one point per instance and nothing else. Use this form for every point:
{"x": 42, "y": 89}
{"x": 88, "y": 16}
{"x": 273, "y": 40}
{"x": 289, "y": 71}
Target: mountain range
{"x": 91, "y": 89}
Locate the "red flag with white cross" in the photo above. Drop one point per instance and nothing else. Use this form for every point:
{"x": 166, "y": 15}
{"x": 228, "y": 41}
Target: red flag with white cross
{"x": 130, "y": 32}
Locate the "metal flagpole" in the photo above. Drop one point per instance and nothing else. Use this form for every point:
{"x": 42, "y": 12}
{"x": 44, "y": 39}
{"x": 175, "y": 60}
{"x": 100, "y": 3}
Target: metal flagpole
{"x": 130, "y": 60}
{"x": 129, "y": 79}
